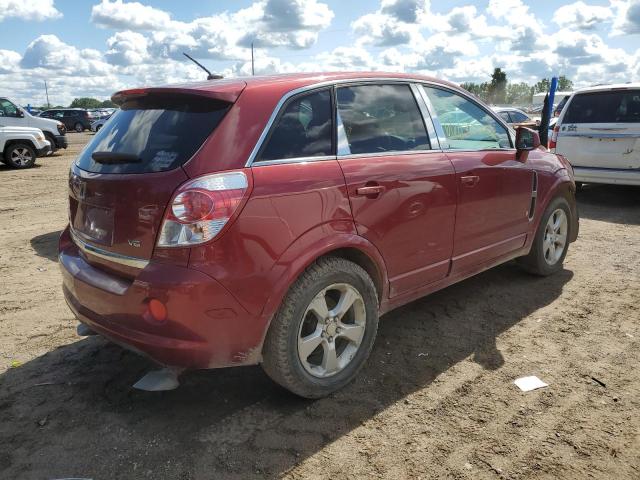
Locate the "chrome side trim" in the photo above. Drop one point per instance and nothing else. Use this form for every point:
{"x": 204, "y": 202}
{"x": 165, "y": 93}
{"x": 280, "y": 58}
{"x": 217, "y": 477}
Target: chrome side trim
{"x": 598, "y": 135}
{"x": 110, "y": 256}
{"x": 426, "y": 116}
{"x": 385, "y": 154}
{"x": 281, "y": 161}
{"x": 439, "y": 131}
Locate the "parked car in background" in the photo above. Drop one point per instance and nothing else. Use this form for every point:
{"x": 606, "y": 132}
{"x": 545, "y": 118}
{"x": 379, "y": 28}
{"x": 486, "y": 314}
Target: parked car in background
{"x": 77, "y": 119}
{"x": 598, "y": 131}
{"x": 272, "y": 221}
{"x": 97, "y": 124}
{"x": 20, "y": 146}
{"x": 11, "y": 115}
{"x": 516, "y": 117}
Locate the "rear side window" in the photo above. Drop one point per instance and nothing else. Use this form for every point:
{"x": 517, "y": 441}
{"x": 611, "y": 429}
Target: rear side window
{"x": 304, "y": 129}
{"x": 152, "y": 133}
{"x": 518, "y": 117}
{"x": 621, "y": 106}
{"x": 381, "y": 118}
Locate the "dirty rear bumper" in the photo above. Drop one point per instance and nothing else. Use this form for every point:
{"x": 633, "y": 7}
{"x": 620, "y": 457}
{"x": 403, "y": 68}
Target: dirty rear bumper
{"x": 205, "y": 326}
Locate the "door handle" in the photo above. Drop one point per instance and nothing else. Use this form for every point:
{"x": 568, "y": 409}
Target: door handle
{"x": 370, "y": 190}
{"x": 470, "y": 180}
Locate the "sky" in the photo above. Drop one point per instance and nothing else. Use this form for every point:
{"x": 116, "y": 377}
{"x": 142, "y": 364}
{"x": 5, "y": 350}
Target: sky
{"x": 96, "y": 47}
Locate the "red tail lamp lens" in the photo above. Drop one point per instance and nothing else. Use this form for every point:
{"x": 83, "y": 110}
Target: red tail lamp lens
{"x": 157, "y": 309}
{"x": 191, "y": 206}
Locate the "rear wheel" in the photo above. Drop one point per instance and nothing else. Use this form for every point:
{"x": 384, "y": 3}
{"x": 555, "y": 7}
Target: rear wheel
{"x": 551, "y": 242}
{"x": 324, "y": 330}
{"x": 20, "y": 155}
{"x": 52, "y": 141}
{"x": 78, "y": 127}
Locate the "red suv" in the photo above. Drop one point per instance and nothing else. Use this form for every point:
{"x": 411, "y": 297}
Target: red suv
{"x": 273, "y": 219}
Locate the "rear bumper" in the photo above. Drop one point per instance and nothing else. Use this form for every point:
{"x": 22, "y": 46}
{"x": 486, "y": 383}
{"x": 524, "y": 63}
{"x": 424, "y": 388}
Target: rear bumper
{"x": 205, "y": 326}
{"x": 61, "y": 141}
{"x": 607, "y": 175}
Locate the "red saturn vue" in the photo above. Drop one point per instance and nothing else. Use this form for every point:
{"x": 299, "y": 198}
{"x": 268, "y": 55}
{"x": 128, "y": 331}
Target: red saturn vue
{"x": 272, "y": 220}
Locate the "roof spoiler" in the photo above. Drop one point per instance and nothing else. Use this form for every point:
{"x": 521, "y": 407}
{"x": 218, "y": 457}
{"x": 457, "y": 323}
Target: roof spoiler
{"x": 226, "y": 91}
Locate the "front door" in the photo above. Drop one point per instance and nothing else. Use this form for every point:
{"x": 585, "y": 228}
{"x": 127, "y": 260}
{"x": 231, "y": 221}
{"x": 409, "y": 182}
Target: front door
{"x": 402, "y": 192}
{"x": 494, "y": 186}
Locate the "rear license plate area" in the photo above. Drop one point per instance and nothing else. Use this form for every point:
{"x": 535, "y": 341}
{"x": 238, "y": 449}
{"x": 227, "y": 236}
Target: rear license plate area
{"x": 93, "y": 222}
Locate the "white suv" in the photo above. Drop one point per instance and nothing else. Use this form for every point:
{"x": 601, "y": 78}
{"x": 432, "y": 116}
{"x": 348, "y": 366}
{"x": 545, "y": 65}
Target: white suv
{"x": 11, "y": 115}
{"x": 598, "y": 131}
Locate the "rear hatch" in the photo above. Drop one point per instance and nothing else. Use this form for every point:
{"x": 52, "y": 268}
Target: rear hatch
{"x": 124, "y": 178}
{"x": 602, "y": 129}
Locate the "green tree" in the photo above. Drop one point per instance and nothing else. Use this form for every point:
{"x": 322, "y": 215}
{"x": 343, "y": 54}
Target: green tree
{"x": 480, "y": 90}
{"x": 498, "y": 86}
{"x": 564, "y": 84}
{"x": 85, "y": 102}
{"x": 542, "y": 86}
{"x": 108, "y": 104}
{"x": 519, "y": 93}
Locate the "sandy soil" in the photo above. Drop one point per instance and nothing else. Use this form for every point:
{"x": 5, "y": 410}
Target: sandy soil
{"x": 436, "y": 400}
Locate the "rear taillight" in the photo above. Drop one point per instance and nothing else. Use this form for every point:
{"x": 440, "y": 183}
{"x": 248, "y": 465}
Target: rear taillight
{"x": 553, "y": 141}
{"x": 201, "y": 208}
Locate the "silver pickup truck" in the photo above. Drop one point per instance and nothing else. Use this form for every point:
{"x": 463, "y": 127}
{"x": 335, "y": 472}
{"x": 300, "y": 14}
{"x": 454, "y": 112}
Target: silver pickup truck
{"x": 20, "y": 146}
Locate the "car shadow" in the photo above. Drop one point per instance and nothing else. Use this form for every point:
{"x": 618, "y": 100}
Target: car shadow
{"x": 610, "y": 203}
{"x": 46, "y": 245}
{"x": 75, "y": 407}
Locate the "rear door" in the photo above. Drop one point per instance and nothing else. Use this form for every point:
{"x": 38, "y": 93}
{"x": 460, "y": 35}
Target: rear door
{"x": 401, "y": 185}
{"x": 602, "y": 129}
{"x": 123, "y": 180}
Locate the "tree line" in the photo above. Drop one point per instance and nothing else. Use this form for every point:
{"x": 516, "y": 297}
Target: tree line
{"x": 84, "y": 102}
{"x": 499, "y": 91}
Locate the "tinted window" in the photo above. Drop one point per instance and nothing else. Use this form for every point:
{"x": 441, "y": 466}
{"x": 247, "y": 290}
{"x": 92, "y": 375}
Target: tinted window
{"x": 467, "y": 125}
{"x": 504, "y": 115}
{"x": 8, "y": 109}
{"x": 152, "y": 133}
{"x": 518, "y": 117}
{"x": 302, "y": 130}
{"x": 622, "y": 106}
{"x": 381, "y": 118}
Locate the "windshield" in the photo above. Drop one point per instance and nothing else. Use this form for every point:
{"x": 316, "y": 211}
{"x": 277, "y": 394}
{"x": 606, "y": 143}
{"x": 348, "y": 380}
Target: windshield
{"x": 153, "y": 133}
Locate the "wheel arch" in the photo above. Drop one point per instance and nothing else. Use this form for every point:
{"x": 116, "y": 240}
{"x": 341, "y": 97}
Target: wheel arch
{"x": 18, "y": 141}
{"x": 565, "y": 187}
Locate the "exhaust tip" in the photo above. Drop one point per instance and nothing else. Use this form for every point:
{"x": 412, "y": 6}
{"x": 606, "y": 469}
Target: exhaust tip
{"x": 159, "y": 380}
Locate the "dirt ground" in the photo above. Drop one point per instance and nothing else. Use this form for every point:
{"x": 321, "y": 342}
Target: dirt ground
{"x": 437, "y": 398}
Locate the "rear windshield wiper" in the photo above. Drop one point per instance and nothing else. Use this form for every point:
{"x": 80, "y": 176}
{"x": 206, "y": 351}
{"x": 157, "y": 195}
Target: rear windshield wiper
{"x": 110, "y": 158}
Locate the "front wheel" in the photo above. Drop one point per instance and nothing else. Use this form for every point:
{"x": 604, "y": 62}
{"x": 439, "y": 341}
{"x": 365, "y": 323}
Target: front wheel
{"x": 52, "y": 141}
{"x": 324, "y": 330}
{"x": 20, "y": 155}
{"x": 551, "y": 242}
{"x": 78, "y": 127}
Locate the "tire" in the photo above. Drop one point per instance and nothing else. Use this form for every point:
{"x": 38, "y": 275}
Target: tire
{"x": 550, "y": 245}
{"x": 78, "y": 127}
{"x": 20, "y": 155}
{"x": 310, "y": 373}
{"x": 579, "y": 186}
{"x": 52, "y": 141}
{"x": 98, "y": 128}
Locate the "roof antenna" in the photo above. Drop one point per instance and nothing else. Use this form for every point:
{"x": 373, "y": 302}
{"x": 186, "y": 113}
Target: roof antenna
{"x": 210, "y": 76}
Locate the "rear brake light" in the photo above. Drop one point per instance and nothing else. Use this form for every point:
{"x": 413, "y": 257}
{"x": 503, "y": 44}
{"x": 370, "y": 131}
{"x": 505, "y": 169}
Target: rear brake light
{"x": 201, "y": 208}
{"x": 553, "y": 141}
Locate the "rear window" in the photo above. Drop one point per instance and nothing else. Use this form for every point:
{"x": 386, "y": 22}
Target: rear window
{"x": 621, "y": 106}
{"x": 153, "y": 133}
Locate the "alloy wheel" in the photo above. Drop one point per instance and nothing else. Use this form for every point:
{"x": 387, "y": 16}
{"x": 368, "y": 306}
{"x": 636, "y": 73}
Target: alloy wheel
{"x": 21, "y": 157}
{"x": 555, "y": 236}
{"x": 331, "y": 330}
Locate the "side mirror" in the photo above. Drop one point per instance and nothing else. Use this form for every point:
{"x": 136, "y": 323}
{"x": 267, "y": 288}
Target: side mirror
{"x": 526, "y": 139}
{"x": 20, "y": 113}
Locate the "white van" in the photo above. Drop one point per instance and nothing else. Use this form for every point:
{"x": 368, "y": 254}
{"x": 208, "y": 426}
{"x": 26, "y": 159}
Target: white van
{"x": 11, "y": 115}
{"x": 598, "y": 131}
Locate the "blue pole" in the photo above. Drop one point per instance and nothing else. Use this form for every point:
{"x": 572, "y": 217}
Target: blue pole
{"x": 552, "y": 94}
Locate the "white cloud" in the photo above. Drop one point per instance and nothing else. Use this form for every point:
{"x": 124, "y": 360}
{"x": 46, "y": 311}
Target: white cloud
{"x": 408, "y": 11}
{"x": 129, "y": 16}
{"x": 581, "y": 16}
{"x": 37, "y": 10}
{"x": 127, "y": 48}
{"x": 627, "y": 17}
